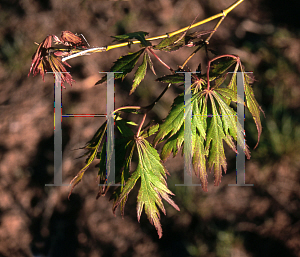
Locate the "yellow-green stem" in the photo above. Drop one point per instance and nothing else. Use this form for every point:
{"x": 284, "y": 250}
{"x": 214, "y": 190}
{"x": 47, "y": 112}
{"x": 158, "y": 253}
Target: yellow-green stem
{"x": 102, "y": 49}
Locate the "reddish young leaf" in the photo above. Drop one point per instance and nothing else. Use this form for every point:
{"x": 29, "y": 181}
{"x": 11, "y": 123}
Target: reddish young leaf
{"x": 43, "y": 60}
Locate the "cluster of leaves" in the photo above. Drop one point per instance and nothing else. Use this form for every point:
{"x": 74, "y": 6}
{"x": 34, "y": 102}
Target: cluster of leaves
{"x": 48, "y": 58}
{"x": 214, "y": 122}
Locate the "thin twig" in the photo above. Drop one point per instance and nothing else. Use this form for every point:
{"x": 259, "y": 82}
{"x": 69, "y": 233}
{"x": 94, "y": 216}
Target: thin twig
{"x": 215, "y": 28}
{"x": 149, "y": 107}
{"x": 185, "y": 31}
{"x": 107, "y": 48}
{"x": 160, "y": 60}
{"x": 127, "y": 107}
{"x": 186, "y": 61}
{"x": 140, "y": 127}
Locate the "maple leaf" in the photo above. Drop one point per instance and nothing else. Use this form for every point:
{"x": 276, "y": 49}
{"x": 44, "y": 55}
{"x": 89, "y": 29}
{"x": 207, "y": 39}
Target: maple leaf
{"x": 43, "y": 60}
{"x": 173, "y": 78}
{"x": 153, "y": 185}
{"x": 252, "y": 105}
{"x": 92, "y": 146}
{"x": 218, "y": 131}
{"x": 123, "y": 146}
{"x": 124, "y": 65}
{"x": 96, "y": 148}
{"x": 251, "y": 102}
{"x": 173, "y": 129}
{"x": 208, "y": 133}
{"x": 139, "y": 74}
{"x": 70, "y": 39}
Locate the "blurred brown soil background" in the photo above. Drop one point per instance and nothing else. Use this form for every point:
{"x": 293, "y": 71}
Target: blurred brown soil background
{"x": 40, "y": 221}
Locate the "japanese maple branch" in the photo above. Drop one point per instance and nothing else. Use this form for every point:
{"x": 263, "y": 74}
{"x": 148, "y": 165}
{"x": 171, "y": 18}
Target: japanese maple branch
{"x": 222, "y": 14}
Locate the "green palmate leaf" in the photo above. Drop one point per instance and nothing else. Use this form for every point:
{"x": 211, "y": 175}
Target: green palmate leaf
{"x": 224, "y": 128}
{"x": 174, "y": 78}
{"x": 122, "y": 126}
{"x": 175, "y": 118}
{"x": 122, "y": 146}
{"x": 153, "y": 185}
{"x": 139, "y": 35}
{"x": 252, "y": 104}
{"x": 199, "y": 160}
{"x": 94, "y": 141}
{"x": 207, "y": 141}
{"x": 223, "y": 65}
{"x": 232, "y": 84}
{"x": 230, "y": 124}
{"x": 229, "y": 94}
{"x": 124, "y": 64}
{"x": 139, "y": 74}
{"x": 218, "y": 69}
{"x": 219, "y": 81}
{"x": 199, "y": 154}
{"x": 150, "y": 131}
{"x": 173, "y": 121}
{"x": 174, "y": 143}
{"x": 123, "y": 169}
{"x": 93, "y": 153}
{"x": 214, "y": 144}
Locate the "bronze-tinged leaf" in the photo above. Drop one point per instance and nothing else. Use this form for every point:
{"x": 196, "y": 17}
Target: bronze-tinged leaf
{"x": 70, "y": 38}
{"x": 38, "y": 64}
{"x": 44, "y": 60}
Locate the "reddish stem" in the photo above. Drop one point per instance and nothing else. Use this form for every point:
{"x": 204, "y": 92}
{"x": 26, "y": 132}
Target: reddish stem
{"x": 160, "y": 60}
{"x": 140, "y": 127}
